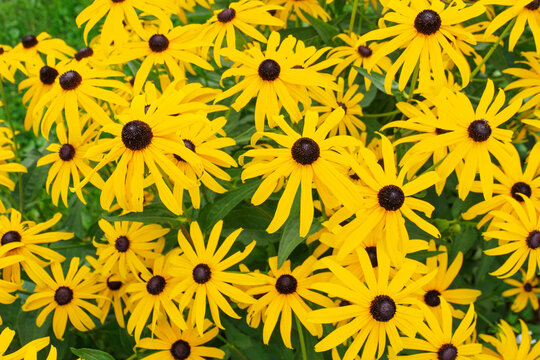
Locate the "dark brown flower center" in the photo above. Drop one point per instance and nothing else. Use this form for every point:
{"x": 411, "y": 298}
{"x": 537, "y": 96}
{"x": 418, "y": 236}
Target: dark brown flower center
{"x": 29, "y": 41}
{"x": 10, "y": 236}
{"x": 527, "y": 287}
{"x": 447, "y": 352}
{"x": 286, "y": 284}
{"x": 391, "y": 197}
{"x": 158, "y": 43}
{"x": 70, "y": 80}
{"x": 137, "y": 135}
{"x": 180, "y": 350}
{"x": 84, "y": 53}
{"x": 66, "y": 152}
{"x": 305, "y": 151}
{"x": 427, "y": 22}
{"x": 188, "y": 144}
{"x": 114, "y": 285}
{"x": 155, "y": 285}
{"x": 432, "y": 298}
{"x": 342, "y": 105}
{"x": 382, "y": 308}
{"x": 202, "y": 273}
{"x": 372, "y": 253}
{"x": 63, "y": 295}
{"x": 226, "y": 15}
{"x": 533, "y": 240}
{"x": 122, "y": 244}
{"x": 269, "y": 70}
{"x": 520, "y": 188}
{"x": 364, "y": 51}
{"x": 47, "y": 75}
{"x": 533, "y": 5}
{"x": 2, "y": 50}
{"x": 479, "y": 130}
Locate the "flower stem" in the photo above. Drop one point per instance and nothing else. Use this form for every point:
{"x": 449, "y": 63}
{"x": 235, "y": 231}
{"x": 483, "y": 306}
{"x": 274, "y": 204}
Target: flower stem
{"x": 353, "y": 15}
{"x": 15, "y": 145}
{"x": 232, "y": 347}
{"x": 394, "y": 112}
{"x": 492, "y": 49}
{"x": 301, "y": 338}
{"x": 414, "y": 82}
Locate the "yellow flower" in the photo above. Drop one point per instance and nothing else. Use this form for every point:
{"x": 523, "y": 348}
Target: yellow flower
{"x": 6, "y": 337}
{"x": 526, "y": 291}
{"x": 506, "y": 343}
{"x": 295, "y": 8}
{"x": 31, "y": 47}
{"x": 528, "y": 81}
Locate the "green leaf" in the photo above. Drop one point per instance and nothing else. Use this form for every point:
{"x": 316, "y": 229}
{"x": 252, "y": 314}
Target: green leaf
{"x": 326, "y": 31}
{"x": 378, "y": 80}
{"x": 91, "y": 354}
{"x": 212, "y": 213}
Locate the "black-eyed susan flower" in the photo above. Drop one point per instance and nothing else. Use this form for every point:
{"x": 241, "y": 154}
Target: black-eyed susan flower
{"x": 270, "y": 76}
{"x": 7, "y": 156}
{"x": 378, "y": 308}
{"x": 386, "y": 200}
{"x": 438, "y": 288}
{"x": 293, "y": 9}
{"x": 67, "y": 296}
{"x": 474, "y": 136}
{"x": 440, "y": 342}
{"x": 512, "y": 180}
{"x": 151, "y": 295}
{"x": 527, "y": 81}
{"x": 31, "y": 47}
{"x": 25, "y": 238}
{"x": 8, "y": 287}
{"x": 526, "y": 291}
{"x": 506, "y": 344}
{"x": 117, "y": 12}
{"x": 6, "y": 337}
{"x": 141, "y": 141}
{"x": 78, "y": 86}
{"x": 203, "y": 276}
{"x": 519, "y": 235}
{"x": 201, "y": 138}
{"x": 524, "y": 12}
{"x": 306, "y": 159}
{"x": 68, "y": 164}
{"x": 8, "y": 63}
{"x": 173, "y": 343}
{"x": 172, "y": 47}
{"x": 357, "y": 53}
{"x": 425, "y": 29}
{"x": 282, "y": 293}
{"x": 243, "y": 15}
{"x": 128, "y": 247}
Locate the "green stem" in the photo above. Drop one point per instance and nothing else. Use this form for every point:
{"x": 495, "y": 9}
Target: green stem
{"x": 493, "y": 48}
{"x": 232, "y": 347}
{"x": 15, "y": 144}
{"x": 414, "y": 82}
{"x": 301, "y": 338}
{"x": 381, "y": 114}
{"x": 71, "y": 246}
{"x": 353, "y": 15}
{"x": 482, "y": 316}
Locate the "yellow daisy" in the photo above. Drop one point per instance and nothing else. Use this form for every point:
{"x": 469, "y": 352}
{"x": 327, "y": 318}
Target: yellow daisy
{"x": 8, "y": 63}
{"x": 6, "y": 337}
{"x": 526, "y": 290}
{"x": 31, "y": 47}
{"x": 506, "y": 343}
{"x": 528, "y": 81}
{"x": 6, "y": 157}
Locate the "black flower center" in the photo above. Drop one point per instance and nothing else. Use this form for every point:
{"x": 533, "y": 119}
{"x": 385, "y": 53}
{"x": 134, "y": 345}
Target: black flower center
{"x": 343, "y": 106}
{"x": 286, "y": 284}
{"x": 269, "y": 70}
{"x": 180, "y": 350}
{"x": 305, "y": 151}
{"x": 364, "y": 51}
{"x": 440, "y": 131}
{"x": 29, "y": 41}
{"x": 66, "y": 152}
{"x": 63, "y": 295}
{"x": 1, "y": 50}
{"x": 447, "y": 352}
{"x": 382, "y": 308}
{"x": 432, "y": 298}
{"x": 372, "y": 253}
{"x": 201, "y": 273}
{"x": 137, "y": 135}
{"x": 47, "y": 75}
{"x": 226, "y": 15}
{"x": 155, "y": 285}
{"x": 158, "y": 43}
{"x": 84, "y": 53}
{"x": 520, "y": 188}
{"x": 188, "y": 144}
{"x": 479, "y": 130}
{"x": 113, "y": 285}
{"x": 527, "y": 287}
{"x": 533, "y": 240}
{"x": 391, "y": 197}
{"x": 122, "y": 244}
{"x": 533, "y": 5}
{"x": 10, "y": 236}
{"x": 70, "y": 80}
{"x": 427, "y": 22}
